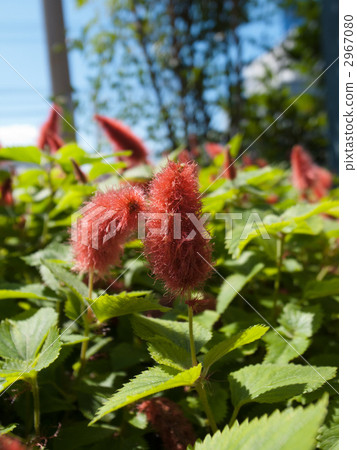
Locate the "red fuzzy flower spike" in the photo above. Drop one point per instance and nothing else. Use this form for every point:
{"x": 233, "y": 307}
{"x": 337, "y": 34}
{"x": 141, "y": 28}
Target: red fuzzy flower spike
{"x": 308, "y": 177}
{"x": 229, "y": 170}
{"x": 107, "y": 222}
{"x": 49, "y": 133}
{"x": 213, "y": 149}
{"x": 167, "y": 419}
{"x": 179, "y": 253}
{"x": 122, "y": 138}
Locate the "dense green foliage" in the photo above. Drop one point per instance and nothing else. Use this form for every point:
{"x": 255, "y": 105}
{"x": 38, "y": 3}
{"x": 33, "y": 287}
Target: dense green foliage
{"x": 271, "y": 300}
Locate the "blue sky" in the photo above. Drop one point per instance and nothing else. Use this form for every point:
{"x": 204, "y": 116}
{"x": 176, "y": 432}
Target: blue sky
{"x": 23, "y": 44}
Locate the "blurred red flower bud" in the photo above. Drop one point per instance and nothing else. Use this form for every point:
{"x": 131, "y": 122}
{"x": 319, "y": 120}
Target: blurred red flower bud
{"x": 81, "y": 177}
{"x": 229, "y": 170}
{"x": 168, "y": 420}
{"x": 49, "y": 133}
{"x": 213, "y": 149}
{"x": 123, "y": 138}
{"x": 7, "y": 198}
{"x": 308, "y": 177}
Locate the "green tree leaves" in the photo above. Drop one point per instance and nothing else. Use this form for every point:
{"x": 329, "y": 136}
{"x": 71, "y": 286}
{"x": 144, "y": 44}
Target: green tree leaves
{"x": 153, "y": 380}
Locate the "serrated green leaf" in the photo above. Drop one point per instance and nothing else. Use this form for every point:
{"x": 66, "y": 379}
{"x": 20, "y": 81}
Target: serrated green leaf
{"x": 228, "y": 345}
{"x": 295, "y": 332}
{"x": 152, "y": 381}
{"x": 177, "y": 332}
{"x": 28, "y": 345}
{"x": 328, "y": 438}
{"x": 272, "y": 383}
{"x": 108, "y": 306}
{"x": 281, "y": 350}
{"x": 23, "y": 154}
{"x": 68, "y": 278}
{"x": 60, "y": 252}
{"x": 167, "y": 353}
{"x": 291, "y": 429}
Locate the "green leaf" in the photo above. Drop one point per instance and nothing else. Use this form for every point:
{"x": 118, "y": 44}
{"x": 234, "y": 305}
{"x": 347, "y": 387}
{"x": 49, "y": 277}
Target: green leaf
{"x": 28, "y": 345}
{"x": 228, "y": 345}
{"x": 281, "y": 350}
{"x": 272, "y": 383}
{"x": 177, "y": 332}
{"x": 72, "y": 199}
{"x": 233, "y": 284}
{"x": 108, "y": 306}
{"x": 169, "y": 354}
{"x": 60, "y": 252}
{"x": 291, "y": 429}
{"x": 235, "y": 144}
{"x": 68, "y": 278}
{"x": 329, "y": 433}
{"x": 7, "y": 429}
{"x": 78, "y": 435}
{"x": 6, "y": 293}
{"x": 23, "y": 154}
{"x": 101, "y": 168}
{"x": 319, "y": 289}
{"x": 295, "y": 331}
{"x": 152, "y": 381}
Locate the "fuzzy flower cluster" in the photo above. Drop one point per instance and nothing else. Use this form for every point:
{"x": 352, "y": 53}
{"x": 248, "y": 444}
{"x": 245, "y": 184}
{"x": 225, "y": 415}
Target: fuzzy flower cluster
{"x": 181, "y": 263}
{"x": 311, "y": 180}
{"x": 167, "y": 419}
{"x": 122, "y": 138}
{"x": 49, "y": 137}
{"x": 107, "y": 221}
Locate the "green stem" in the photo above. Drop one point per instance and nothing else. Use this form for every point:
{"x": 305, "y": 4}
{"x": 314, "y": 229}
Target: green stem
{"x": 200, "y": 387}
{"x": 192, "y": 340}
{"x": 234, "y": 415}
{"x": 279, "y": 263}
{"x": 84, "y": 346}
{"x": 36, "y": 404}
{"x": 204, "y": 400}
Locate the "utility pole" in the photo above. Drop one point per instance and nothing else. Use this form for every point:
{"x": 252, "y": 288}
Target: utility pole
{"x": 330, "y": 53}
{"x": 57, "y": 52}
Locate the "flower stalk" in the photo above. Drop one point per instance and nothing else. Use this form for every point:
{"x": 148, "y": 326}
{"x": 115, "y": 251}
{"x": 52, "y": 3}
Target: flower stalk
{"x": 36, "y": 404}
{"x": 84, "y": 346}
{"x": 199, "y": 386}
